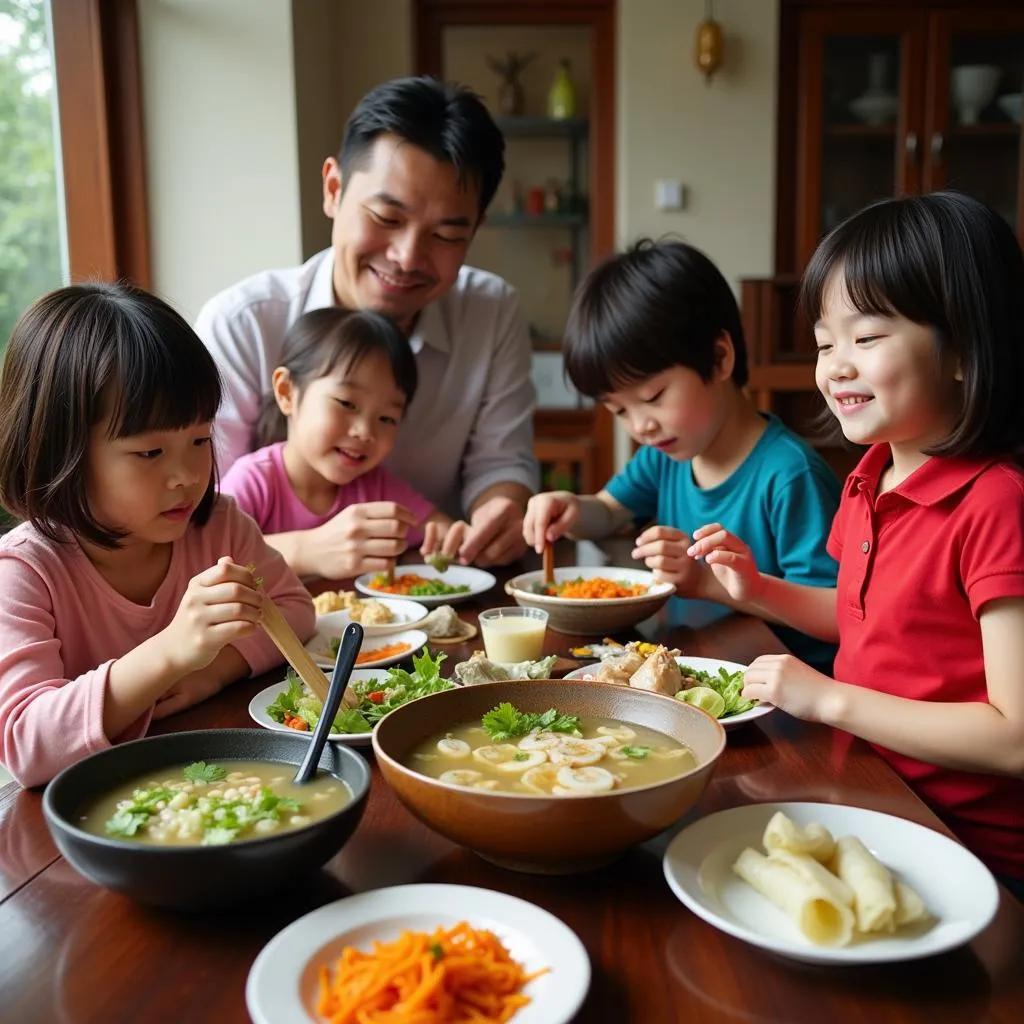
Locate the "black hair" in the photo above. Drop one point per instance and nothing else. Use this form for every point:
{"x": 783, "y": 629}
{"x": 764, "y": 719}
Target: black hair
{"x": 948, "y": 262}
{"x": 657, "y": 305}
{"x": 323, "y": 339}
{"x": 445, "y": 120}
{"x": 77, "y": 356}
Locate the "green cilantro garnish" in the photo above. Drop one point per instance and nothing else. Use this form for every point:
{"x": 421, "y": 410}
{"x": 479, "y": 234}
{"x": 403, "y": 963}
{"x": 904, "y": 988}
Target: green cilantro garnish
{"x": 436, "y": 951}
{"x": 200, "y": 771}
{"x": 520, "y": 757}
{"x": 637, "y": 753}
{"x": 506, "y": 722}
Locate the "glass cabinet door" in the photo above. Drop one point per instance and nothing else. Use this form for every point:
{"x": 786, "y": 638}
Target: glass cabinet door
{"x": 861, "y": 86}
{"x": 977, "y": 82}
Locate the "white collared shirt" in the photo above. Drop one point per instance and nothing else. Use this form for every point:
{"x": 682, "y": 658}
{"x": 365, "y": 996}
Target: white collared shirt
{"x": 470, "y": 424}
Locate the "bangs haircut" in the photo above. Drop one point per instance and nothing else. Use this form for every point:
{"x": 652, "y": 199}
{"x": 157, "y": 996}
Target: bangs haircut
{"x": 324, "y": 340}
{"x": 641, "y": 312}
{"x": 950, "y": 263}
{"x": 80, "y": 355}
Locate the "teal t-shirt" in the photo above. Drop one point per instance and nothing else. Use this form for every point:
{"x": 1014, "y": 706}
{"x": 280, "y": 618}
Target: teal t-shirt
{"x": 780, "y": 501}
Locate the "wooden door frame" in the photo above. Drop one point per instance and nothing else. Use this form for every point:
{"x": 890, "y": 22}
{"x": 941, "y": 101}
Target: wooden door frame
{"x": 99, "y": 106}
{"x": 431, "y": 17}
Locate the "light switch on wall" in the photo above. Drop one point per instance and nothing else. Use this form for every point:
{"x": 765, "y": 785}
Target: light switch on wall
{"x": 668, "y": 195}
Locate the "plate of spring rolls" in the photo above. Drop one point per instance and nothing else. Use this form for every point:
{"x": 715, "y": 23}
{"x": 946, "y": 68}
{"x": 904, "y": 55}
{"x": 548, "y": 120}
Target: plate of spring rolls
{"x": 831, "y": 884}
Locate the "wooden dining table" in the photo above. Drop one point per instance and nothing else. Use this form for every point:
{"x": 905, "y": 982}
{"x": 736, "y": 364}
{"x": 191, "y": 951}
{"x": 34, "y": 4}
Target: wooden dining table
{"x": 72, "y": 952}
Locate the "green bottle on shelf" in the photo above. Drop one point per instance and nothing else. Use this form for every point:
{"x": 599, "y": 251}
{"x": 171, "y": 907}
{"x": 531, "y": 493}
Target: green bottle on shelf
{"x": 562, "y": 96}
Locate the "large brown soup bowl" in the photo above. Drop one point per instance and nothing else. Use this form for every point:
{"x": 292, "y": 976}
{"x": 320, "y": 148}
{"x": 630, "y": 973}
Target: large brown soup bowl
{"x": 200, "y": 877}
{"x": 547, "y": 834}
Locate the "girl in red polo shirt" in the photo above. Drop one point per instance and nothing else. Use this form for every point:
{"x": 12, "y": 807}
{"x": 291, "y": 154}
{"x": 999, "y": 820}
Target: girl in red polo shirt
{"x": 918, "y": 313}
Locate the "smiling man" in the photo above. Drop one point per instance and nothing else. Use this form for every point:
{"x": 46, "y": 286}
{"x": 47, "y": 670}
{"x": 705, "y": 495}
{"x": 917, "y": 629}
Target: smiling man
{"x": 418, "y": 166}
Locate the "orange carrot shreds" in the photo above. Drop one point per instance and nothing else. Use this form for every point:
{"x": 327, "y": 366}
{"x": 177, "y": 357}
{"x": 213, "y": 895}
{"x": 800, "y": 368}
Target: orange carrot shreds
{"x": 458, "y": 975}
{"x": 294, "y": 722}
{"x": 387, "y": 651}
{"x": 599, "y": 587}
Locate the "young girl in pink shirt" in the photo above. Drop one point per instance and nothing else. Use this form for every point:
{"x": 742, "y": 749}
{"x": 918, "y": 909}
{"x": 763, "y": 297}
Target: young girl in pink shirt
{"x": 317, "y": 487}
{"x": 125, "y": 592}
{"x": 918, "y": 312}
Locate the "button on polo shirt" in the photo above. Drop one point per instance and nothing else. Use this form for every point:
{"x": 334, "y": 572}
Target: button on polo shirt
{"x": 916, "y": 566}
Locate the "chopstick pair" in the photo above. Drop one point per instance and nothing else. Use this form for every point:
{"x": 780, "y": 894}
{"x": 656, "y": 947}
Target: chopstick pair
{"x": 277, "y": 627}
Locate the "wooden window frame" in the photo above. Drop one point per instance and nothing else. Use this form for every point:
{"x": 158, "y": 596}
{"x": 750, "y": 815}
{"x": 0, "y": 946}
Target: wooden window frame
{"x": 99, "y": 105}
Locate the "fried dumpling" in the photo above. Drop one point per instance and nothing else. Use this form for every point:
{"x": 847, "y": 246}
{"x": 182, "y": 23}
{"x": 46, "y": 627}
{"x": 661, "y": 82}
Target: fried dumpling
{"x": 443, "y": 622}
{"x": 659, "y": 674}
{"x": 478, "y": 669}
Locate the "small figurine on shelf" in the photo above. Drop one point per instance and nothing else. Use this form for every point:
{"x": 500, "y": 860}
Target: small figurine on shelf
{"x": 510, "y": 92}
{"x": 562, "y": 96}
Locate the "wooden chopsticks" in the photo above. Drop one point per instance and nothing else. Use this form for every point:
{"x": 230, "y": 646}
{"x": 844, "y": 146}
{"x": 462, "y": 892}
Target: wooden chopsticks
{"x": 549, "y": 563}
{"x": 277, "y": 627}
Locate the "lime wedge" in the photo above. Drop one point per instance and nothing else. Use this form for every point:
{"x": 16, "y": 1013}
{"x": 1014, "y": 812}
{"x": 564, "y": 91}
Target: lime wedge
{"x": 705, "y": 698}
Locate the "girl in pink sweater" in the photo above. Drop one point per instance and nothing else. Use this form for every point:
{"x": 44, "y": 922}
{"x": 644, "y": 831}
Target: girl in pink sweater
{"x": 125, "y": 592}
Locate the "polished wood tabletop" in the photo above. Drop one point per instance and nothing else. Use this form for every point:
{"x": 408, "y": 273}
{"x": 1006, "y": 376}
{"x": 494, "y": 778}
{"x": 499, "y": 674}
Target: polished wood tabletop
{"x": 73, "y": 952}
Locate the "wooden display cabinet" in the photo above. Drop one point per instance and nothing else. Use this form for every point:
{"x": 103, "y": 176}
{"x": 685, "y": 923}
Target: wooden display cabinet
{"x": 879, "y": 99}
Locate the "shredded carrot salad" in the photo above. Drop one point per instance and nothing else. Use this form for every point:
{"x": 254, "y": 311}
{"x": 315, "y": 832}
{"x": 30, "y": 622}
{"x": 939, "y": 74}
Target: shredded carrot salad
{"x": 458, "y": 975}
{"x": 597, "y": 587}
{"x": 387, "y": 651}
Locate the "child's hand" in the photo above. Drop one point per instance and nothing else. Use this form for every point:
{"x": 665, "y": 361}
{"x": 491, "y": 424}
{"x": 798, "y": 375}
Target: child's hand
{"x": 366, "y": 537}
{"x": 548, "y": 517}
{"x": 663, "y": 549}
{"x": 219, "y": 606}
{"x": 730, "y": 560}
{"x": 195, "y": 687}
{"x": 789, "y": 684}
{"x": 443, "y": 539}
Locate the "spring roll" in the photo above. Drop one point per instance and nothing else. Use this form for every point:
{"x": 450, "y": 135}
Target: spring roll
{"x": 874, "y": 894}
{"x": 813, "y": 839}
{"x": 910, "y": 908}
{"x": 816, "y": 874}
{"x": 825, "y": 920}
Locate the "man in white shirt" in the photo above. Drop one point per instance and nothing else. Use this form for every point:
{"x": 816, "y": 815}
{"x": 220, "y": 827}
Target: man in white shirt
{"x": 418, "y": 166}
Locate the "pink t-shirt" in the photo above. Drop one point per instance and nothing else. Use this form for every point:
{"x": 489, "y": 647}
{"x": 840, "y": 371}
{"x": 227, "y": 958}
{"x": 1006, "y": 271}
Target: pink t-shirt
{"x": 259, "y": 483}
{"x": 62, "y": 626}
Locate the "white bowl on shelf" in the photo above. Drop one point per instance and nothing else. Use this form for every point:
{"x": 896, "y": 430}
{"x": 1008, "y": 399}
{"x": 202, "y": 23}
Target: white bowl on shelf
{"x": 974, "y": 87}
{"x": 875, "y": 109}
{"x": 1012, "y": 105}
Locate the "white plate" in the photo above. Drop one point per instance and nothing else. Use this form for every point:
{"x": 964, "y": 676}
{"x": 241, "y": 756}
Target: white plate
{"x": 408, "y": 615}
{"x": 710, "y": 665}
{"x": 320, "y": 650}
{"x": 259, "y": 704}
{"x": 478, "y": 581}
{"x": 698, "y": 868}
{"x": 282, "y": 983}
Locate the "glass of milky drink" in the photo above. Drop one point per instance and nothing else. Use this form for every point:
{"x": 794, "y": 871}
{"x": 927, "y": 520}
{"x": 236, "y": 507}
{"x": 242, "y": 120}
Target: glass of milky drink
{"x": 513, "y": 634}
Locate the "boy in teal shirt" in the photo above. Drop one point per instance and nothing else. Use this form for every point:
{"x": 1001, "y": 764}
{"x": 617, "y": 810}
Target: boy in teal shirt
{"x": 655, "y": 335}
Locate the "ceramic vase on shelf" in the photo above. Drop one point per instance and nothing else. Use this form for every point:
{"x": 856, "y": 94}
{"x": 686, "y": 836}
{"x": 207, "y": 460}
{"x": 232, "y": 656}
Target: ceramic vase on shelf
{"x": 562, "y": 95}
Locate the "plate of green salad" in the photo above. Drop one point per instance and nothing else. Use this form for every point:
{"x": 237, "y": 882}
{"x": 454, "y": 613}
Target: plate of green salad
{"x": 430, "y": 585}
{"x": 289, "y": 706}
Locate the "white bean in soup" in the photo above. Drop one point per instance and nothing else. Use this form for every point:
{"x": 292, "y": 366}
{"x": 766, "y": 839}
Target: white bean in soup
{"x": 204, "y": 804}
{"x": 601, "y": 755}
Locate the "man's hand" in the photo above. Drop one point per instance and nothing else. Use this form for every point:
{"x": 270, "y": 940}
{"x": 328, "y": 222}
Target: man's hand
{"x": 495, "y": 535}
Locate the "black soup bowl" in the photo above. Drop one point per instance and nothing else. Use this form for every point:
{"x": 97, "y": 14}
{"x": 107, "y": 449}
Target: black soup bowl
{"x": 199, "y": 877}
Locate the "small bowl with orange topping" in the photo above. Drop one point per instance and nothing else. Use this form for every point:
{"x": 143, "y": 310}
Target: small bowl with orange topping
{"x": 591, "y": 600}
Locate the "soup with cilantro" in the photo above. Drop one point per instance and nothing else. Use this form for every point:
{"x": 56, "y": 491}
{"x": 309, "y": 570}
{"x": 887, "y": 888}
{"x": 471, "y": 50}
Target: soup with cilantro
{"x": 509, "y": 751}
{"x": 203, "y": 804}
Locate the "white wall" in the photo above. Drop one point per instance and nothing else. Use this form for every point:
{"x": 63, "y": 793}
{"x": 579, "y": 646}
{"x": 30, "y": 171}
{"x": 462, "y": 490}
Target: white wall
{"x": 218, "y": 91}
{"x": 718, "y": 139}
